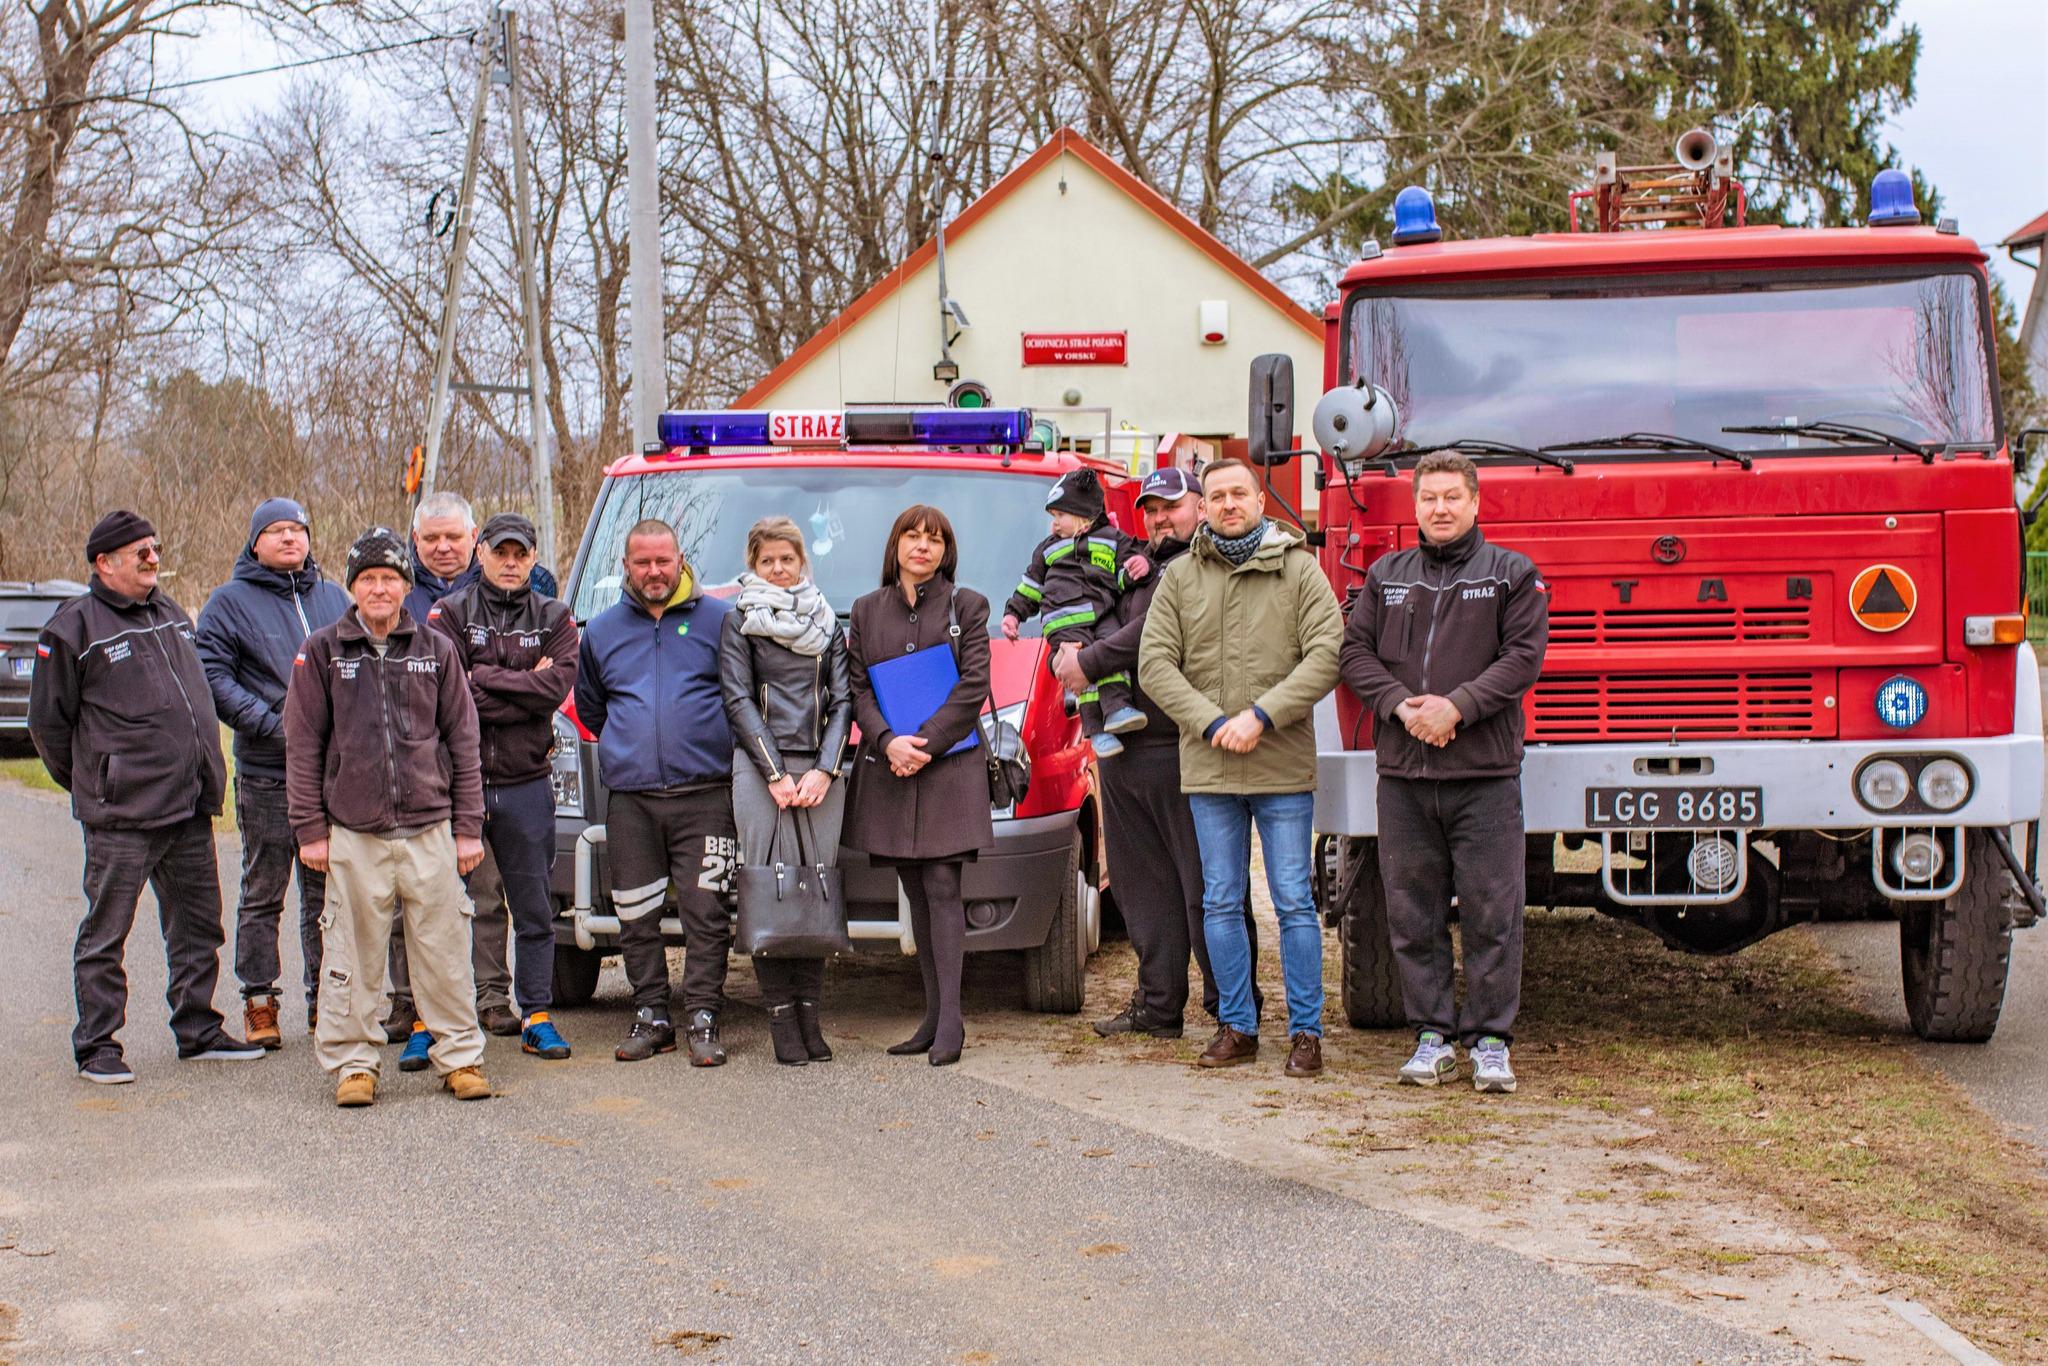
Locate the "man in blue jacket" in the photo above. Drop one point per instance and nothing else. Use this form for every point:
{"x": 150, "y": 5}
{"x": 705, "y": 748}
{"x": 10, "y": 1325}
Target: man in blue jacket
{"x": 249, "y": 632}
{"x": 647, "y": 687}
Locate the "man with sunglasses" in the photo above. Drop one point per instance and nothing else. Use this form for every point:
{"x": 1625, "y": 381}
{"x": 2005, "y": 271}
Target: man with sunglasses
{"x": 120, "y": 712}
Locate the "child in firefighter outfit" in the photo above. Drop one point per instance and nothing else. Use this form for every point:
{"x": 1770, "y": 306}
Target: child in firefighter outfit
{"x": 1075, "y": 578}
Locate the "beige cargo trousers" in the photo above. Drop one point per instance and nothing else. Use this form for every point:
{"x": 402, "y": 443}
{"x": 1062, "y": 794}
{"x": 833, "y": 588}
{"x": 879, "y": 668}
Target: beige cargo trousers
{"x": 369, "y": 878}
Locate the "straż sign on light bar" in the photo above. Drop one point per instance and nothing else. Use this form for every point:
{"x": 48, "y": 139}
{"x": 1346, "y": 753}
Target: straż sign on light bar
{"x": 806, "y": 427}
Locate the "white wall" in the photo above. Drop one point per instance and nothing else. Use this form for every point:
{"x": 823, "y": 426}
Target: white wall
{"x": 1086, "y": 260}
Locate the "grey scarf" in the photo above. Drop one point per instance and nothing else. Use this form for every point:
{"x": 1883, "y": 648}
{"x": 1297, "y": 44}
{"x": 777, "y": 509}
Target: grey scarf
{"x": 798, "y": 617}
{"x": 1238, "y": 549}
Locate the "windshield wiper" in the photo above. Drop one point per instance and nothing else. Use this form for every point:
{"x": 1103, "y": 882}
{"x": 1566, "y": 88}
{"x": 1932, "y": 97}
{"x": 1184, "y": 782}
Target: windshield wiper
{"x": 1842, "y": 434}
{"x": 1653, "y": 441}
{"x": 1474, "y": 445}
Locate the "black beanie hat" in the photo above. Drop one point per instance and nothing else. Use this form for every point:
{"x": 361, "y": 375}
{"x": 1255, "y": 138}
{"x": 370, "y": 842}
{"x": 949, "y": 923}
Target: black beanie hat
{"x": 118, "y": 528}
{"x": 377, "y": 548}
{"x": 1077, "y": 491}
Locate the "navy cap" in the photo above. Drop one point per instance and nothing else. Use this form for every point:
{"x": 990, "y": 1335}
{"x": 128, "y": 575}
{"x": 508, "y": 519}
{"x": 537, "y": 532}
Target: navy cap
{"x": 1170, "y": 484}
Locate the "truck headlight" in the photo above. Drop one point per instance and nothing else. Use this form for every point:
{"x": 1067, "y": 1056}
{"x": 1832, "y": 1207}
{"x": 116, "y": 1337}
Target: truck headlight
{"x": 1883, "y": 785}
{"x": 565, "y": 768}
{"x": 1944, "y": 784}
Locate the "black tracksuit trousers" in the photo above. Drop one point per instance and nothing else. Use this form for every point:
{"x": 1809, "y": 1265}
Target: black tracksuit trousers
{"x": 1155, "y": 867}
{"x": 1440, "y": 837}
{"x": 686, "y": 839}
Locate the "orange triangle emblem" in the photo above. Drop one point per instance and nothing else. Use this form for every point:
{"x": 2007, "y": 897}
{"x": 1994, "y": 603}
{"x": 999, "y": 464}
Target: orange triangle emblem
{"x": 1882, "y": 598}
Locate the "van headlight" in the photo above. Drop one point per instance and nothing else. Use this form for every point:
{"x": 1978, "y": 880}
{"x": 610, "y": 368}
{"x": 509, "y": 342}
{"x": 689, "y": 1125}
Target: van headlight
{"x": 1883, "y": 785}
{"x": 1944, "y": 784}
{"x": 565, "y": 768}
{"x": 1013, "y": 717}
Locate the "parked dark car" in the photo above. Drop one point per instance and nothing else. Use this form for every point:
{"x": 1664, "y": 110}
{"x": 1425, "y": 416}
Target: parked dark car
{"x": 24, "y": 607}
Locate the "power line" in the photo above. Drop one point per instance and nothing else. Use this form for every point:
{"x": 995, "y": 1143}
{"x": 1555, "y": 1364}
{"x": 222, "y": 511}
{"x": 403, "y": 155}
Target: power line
{"x": 154, "y": 90}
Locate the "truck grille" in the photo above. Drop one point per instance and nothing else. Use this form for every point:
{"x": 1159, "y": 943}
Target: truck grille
{"x": 1679, "y": 625}
{"x": 1774, "y": 704}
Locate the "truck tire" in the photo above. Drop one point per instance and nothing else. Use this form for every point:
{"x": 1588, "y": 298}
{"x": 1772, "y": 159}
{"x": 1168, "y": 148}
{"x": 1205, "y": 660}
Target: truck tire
{"x": 1372, "y": 983}
{"x": 1955, "y": 953}
{"x": 576, "y": 974}
{"x": 1056, "y": 972}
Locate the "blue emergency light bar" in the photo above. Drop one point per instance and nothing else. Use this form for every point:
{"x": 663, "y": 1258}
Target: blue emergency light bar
{"x": 855, "y": 427}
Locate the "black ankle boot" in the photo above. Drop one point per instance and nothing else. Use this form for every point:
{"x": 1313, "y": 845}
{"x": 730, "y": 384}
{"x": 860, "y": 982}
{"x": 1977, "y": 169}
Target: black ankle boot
{"x": 787, "y": 1036}
{"x": 815, "y": 1046}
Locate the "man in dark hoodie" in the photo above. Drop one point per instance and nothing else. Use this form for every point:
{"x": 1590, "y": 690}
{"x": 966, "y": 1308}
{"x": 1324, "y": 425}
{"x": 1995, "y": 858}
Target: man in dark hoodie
{"x": 120, "y": 714}
{"x": 249, "y": 631}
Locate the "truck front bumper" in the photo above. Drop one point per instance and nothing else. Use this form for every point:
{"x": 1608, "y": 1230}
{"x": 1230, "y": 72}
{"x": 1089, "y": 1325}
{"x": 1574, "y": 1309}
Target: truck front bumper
{"x": 1806, "y": 784}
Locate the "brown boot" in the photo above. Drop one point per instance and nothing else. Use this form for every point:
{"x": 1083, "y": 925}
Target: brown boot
{"x": 468, "y": 1083}
{"x": 356, "y": 1088}
{"x": 259, "y": 1022}
{"x": 1229, "y": 1049}
{"x": 1305, "y": 1059}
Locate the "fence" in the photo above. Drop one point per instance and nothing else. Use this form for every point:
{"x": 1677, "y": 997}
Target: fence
{"x": 2037, "y": 595}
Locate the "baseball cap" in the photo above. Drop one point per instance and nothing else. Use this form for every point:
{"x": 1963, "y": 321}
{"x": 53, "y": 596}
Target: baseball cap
{"x": 1169, "y": 483}
{"x": 508, "y": 526}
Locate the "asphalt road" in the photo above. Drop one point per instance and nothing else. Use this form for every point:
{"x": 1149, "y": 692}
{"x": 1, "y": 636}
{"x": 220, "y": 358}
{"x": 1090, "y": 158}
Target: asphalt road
{"x": 870, "y": 1209}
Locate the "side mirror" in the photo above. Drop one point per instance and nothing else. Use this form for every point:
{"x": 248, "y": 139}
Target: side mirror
{"x": 1356, "y": 422}
{"x": 1270, "y": 435}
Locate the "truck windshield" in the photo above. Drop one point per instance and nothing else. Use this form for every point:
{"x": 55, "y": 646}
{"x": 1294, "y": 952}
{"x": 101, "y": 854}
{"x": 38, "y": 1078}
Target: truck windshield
{"x": 1542, "y": 363}
{"x": 845, "y": 514}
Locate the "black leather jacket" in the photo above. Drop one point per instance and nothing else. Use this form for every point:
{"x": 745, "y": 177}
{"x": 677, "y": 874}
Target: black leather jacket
{"x": 780, "y": 700}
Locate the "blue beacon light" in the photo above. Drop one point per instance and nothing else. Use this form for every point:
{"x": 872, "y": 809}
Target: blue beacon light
{"x": 1415, "y": 218}
{"x": 1901, "y": 702}
{"x": 713, "y": 429}
{"x": 1891, "y": 201}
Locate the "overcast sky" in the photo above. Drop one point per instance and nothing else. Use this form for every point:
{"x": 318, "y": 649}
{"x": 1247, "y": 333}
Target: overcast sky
{"x": 1978, "y": 127}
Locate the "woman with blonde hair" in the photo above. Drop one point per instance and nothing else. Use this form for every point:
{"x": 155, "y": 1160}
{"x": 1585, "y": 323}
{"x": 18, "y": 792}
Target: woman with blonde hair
{"x": 783, "y": 672}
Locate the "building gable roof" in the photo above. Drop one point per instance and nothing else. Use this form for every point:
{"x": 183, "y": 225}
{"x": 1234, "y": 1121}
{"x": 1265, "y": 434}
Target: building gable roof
{"x": 2033, "y": 232}
{"x": 1065, "y": 142}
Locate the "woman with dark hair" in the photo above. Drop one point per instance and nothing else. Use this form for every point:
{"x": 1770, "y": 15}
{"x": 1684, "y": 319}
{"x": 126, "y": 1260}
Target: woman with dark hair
{"x": 915, "y": 807}
{"x": 782, "y": 670}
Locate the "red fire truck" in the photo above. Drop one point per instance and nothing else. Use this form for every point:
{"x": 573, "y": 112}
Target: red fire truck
{"x": 843, "y": 477}
{"x": 1766, "y": 476}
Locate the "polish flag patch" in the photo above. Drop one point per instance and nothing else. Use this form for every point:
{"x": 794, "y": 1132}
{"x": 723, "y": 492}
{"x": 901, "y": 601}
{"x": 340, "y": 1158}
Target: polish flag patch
{"x": 298, "y": 659}
{"x": 42, "y": 650}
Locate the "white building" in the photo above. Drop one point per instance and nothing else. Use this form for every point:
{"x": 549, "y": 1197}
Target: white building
{"x": 1077, "y": 291}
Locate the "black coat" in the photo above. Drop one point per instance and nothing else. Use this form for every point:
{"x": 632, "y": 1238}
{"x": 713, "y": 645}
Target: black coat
{"x": 120, "y": 712}
{"x": 1115, "y": 649}
{"x": 249, "y": 632}
{"x": 781, "y": 702}
{"x": 942, "y": 812}
{"x": 499, "y": 636}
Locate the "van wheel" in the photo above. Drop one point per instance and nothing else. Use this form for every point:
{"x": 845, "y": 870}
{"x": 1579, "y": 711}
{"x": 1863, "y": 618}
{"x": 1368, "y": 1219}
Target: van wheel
{"x": 576, "y": 974}
{"x": 1955, "y": 953}
{"x": 1372, "y": 983}
{"x": 1056, "y": 972}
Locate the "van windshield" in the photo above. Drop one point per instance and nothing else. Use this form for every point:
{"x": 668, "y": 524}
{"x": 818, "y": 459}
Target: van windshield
{"x": 845, "y": 514}
{"x": 1559, "y": 361}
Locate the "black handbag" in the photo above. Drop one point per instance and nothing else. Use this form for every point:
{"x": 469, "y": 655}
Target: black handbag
{"x": 792, "y": 910}
{"x": 1002, "y": 746}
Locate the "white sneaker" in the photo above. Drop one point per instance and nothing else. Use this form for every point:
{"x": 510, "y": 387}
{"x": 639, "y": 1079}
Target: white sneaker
{"x": 1433, "y": 1060}
{"x": 1490, "y": 1069}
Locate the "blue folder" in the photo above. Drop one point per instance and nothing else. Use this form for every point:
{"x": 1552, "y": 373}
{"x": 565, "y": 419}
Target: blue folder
{"x": 909, "y": 688}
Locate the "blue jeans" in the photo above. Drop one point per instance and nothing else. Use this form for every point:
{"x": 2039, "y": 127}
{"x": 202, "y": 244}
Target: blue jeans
{"x": 1223, "y": 828}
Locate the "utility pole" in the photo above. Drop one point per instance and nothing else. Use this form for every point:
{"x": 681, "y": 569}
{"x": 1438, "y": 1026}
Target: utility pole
{"x": 499, "y": 64}
{"x": 643, "y": 228}
{"x": 465, "y": 223}
{"x": 540, "y": 433}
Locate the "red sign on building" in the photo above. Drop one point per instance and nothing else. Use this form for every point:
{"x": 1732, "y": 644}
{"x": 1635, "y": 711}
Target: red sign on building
{"x": 1074, "y": 348}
